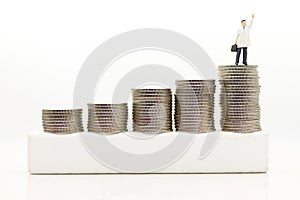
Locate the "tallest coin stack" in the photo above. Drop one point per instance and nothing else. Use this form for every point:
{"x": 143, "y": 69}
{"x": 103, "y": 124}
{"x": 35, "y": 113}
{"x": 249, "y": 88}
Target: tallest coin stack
{"x": 239, "y": 99}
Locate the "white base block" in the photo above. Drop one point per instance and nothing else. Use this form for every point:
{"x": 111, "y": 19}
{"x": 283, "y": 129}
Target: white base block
{"x": 233, "y": 153}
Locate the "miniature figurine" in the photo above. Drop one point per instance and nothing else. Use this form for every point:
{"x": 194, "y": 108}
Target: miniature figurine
{"x": 243, "y": 41}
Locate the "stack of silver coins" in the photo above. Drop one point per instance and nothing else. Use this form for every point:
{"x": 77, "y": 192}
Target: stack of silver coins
{"x": 62, "y": 121}
{"x": 152, "y": 110}
{"x": 239, "y": 99}
{"x": 107, "y": 118}
{"x": 194, "y": 106}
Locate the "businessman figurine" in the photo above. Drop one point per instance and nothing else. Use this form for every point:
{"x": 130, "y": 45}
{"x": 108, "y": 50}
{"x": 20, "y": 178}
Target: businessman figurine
{"x": 243, "y": 41}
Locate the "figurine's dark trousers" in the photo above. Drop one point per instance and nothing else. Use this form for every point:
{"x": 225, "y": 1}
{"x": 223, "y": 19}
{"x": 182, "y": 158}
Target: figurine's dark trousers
{"x": 238, "y": 53}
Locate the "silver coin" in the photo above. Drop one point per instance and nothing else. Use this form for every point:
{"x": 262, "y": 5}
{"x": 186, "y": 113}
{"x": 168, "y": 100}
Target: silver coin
{"x": 108, "y": 117}
{"x": 56, "y": 127}
{"x": 151, "y": 92}
{"x": 239, "y": 81}
{"x": 194, "y": 122}
{"x": 195, "y": 81}
{"x": 105, "y": 133}
{"x": 108, "y": 114}
{"x": 61, "y": 119}
{"x": 233, "y": 101}
{"x": 61, "y": 114}
{"x": 152, "y": 119}
{"x": 150, "y": 129}
{"x": 152, "y": 105}
{"x": 193, "y": 105}
{"x": 193, "y": 94}
{"x": 98, "y": 112}
{"x": 194, "y": 101}
{"x": 112, "y": 121}
{"x": 242, "y": 121}
{"x": 63, "y": 131}
{"x": 61, "y": 110}
{"x": 70, "y": 124}
{"x": 238, "y": 73}
{"x": 232, "y": 110}
{"x": 237, "y": 66}
{"x": 196, "y": 111}
{"x": 77, "y": 120}
{"x": 104, "y": 130}
{"x": 106, "y": 126}
{"x": 240, "y": 128}
{"x": 152, "y": 98}
{"x": 152, "y": 101}
{"x": 192, "y": 127}
{"x": 107, "y": 105}
{"x": 107, "y": 129}
{"x": 241, "y": 71}
{"x": 242, "y": 109}
{"x": 155, "y": 125}
{"x": 103, "y": 119}
{"x": 46, "y": 123}
{"x": 240, "y": 112}
{"x": 194, "y": 116}
{"x": 195, "y": 127}
{"x": 152, "y": 109}
{"x": 108, "y": 110}
{"x": 195, "y": 90}
{"x": 152, "y": 132}
{"x": 63, "y": 128}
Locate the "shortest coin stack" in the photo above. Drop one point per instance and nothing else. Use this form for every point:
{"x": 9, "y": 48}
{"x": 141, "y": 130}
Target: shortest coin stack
{"x": 62, "y": 121}
{"x": 107, "y": 118}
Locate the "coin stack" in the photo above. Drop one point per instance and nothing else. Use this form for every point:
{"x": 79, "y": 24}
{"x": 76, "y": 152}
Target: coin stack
{"x": 194, "y": 106}
{"x": 107, "y": 118}
{"x": 62, "y": 121}
{"x": 239, "y": 98}
{"x": 152, "y": 110}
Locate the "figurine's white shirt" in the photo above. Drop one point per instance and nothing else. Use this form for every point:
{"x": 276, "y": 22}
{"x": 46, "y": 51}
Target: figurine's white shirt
{"x": 243, "y": 36}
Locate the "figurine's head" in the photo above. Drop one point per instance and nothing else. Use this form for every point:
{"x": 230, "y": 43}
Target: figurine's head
{"x": 243, "y": 22}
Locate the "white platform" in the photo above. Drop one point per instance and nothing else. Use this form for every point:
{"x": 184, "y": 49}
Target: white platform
{"x": 232, "y": 153}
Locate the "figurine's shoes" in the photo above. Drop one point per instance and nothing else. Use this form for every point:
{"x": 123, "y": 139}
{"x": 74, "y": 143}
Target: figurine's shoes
{"x": 245, "y": 63}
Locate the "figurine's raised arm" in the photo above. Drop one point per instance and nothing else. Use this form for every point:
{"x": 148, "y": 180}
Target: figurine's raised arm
{"x": 251, "y": 22}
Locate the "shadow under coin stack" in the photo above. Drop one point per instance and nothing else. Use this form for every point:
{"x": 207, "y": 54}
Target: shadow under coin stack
{"x": 152, "y": 110}
{"x": 62, "y": 121}
{"x": 239, "y": 98}
{"x": 194, "y": 106}
{"x": 107, "y": 118}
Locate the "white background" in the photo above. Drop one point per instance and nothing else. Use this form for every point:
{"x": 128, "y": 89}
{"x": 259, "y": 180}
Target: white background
{"x": 43, "y": 45}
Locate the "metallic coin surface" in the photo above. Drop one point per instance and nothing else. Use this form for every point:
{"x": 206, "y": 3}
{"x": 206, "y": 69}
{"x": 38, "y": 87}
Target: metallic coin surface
{"x": 194, "y": 105}
{"x": 239, "y": 98}
{"x": 62, "y": 121}
{"x": 107, "y": 118}
{"x": 152, "y": 110}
